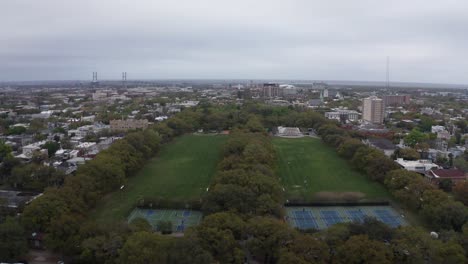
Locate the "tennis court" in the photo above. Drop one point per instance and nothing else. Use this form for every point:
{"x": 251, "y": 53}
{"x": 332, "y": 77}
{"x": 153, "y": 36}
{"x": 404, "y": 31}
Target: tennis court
{"x": 181, "y": 219}
{"x": 322, "y": 217}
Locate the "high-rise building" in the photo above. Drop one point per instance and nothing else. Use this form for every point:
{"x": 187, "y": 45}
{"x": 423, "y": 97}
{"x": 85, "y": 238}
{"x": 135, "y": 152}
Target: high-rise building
{"x": 373, "y": 110}
{"x": 393, "y": 100}
{"x": 271, "y": 90}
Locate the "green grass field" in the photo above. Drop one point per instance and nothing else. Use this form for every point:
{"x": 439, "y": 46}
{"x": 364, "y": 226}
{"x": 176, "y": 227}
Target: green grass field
{"x": 182, "y": 170}
{"x": 180, "y": 219}
{"x": 307, "y": 166}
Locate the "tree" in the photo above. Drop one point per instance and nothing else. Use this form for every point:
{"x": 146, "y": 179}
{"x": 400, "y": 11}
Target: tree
{"x": 16, "y": 130}
{"x": 399, "y": 179}
{"x": 349, "y": 147}
{"x": 374, "y": 229}
{"x": 12, "y": 240}
{"x": 460, "y": 191}
{"x": 36, "y": 125}
{"x": 378, "y": 165}
{"x": 140, "y": 224}
{"x": 254, "y": 124}
{"x": 336, "y": 235}
{"x": 101, "y": 248}
{"x": 464, "y": 239}
{"x": 225, "y": 221}
{"x": 415, "y": 137}
{"x": 144, "y": 247}
{"x": 305, "y": 249}
{"x": 426, "y": 123}
{"x": 165, "y": 227}
{"x": 360, "y": 249}
{"x": 462, "y": 125}
{"x": 188, "y": 250}
{"x": 51, "y": 147}
{"x": 35, "y": 177}
{"x": 362, "y": 157}
{"x": 219, "y": 242}
{"x": 137, "y": 140}
{"x": 414, "y": 245}
{"x": 268, "y": 236}
{"x": 38, "y": 214}
{"x": 446, "y": 185}
{"x": 461, "y": 163}
{"x": 5, "y": 151}
{"x": 63, "y": 233}
{"x": 449, "y": 215}
{"x": 257, "y": 153}
{"x": 164, "y": 131}
{"x": 7, "y": 166}
{"x": 129, "y": 157}
{"x": 411, "y": 194}
{"x": 407, "y": 154}
{"x": 225, "y": 197}
{"x": 107, "y": 171}
{"x": 179, "y": 125}
{"x": 215, "y": 121}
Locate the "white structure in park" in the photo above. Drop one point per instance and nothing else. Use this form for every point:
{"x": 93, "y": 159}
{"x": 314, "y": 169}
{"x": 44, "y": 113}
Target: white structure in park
{"x": 289, "y": 132}
{"x": 419, "y": 166}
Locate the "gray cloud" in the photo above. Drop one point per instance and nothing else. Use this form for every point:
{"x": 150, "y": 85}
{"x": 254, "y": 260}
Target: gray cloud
{"x": 340, "y": 40}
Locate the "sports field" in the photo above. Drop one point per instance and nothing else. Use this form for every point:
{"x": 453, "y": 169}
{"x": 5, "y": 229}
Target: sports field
{"x": 324, "y": 217}
{"x": 312, "y": 170}
{"x": 182, "y": 170}
{"x": 180, "y": 219}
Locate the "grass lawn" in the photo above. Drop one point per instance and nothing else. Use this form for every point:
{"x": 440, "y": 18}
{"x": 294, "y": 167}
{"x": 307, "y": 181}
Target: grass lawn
{"x": 308, "y": 166}
{"x": 182, "y": 170}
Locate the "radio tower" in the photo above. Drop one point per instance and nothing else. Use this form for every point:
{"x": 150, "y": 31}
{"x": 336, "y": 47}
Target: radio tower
{"x": 95, "y": 81}
{"x": 124, "y": 80}
{"x": 388, "y": 72}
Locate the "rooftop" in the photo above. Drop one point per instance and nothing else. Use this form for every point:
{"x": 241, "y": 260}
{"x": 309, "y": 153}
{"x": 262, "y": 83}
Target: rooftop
{"x": 382, "y": 143}
{"x": 448, "y": 173}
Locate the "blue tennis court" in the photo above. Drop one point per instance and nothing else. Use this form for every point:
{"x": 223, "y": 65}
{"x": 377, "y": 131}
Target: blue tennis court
{"x": 149, "y": 213}
{"x": 186, "y": 213}
{"x": 322, "y": 217}
{"x": 304, "y": 220}
{"x": 331, "y": 217}
{"x": 387, "y": 217}
{"x": 356, "y": 215}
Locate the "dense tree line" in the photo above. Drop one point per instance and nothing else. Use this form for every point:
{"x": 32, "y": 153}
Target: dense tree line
{"x": 246, "y": 182}
{"x": 61, "y": 211}
{"x": 413, "y": 191}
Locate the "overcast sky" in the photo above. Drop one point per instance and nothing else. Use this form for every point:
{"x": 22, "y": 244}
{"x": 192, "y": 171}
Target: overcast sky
{"x": 427, "y": 40}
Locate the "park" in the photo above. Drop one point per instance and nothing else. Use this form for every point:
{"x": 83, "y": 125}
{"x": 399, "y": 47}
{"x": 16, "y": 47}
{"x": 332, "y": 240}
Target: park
{"x": 310, "y": 170}
{"x": 182, "y": 170}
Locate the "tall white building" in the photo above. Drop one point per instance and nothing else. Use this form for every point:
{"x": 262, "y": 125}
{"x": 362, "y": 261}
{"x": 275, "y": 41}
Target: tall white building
{"x": 325, "y": 93}
{"x": 373, "y": 110}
